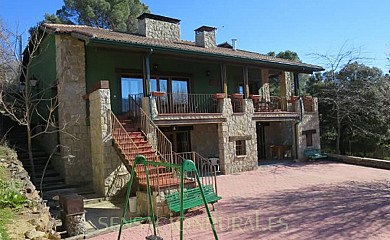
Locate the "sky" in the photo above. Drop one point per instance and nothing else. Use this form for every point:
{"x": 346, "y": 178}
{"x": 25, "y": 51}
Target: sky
{"x": 305, "y": 26}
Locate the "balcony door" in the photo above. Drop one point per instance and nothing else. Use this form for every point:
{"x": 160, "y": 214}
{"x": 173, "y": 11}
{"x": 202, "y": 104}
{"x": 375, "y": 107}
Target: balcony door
{"x": 180, "y": 141}
{"x": 130, "y": 86}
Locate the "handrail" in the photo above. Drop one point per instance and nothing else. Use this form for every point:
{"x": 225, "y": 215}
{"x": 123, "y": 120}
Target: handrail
{"x": 156, "y": 138}
{"x": 207, "y": 171}
{"x": 186, "y": 103}
{"x": 122, "y": 138}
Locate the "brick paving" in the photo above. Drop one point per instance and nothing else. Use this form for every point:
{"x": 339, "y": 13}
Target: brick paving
{"x": 324, "y": 200}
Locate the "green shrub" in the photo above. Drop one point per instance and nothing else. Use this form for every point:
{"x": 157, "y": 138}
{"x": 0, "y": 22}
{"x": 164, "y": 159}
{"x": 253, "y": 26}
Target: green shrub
{"x": 5, "y": 217}
{"x": 12, "y": 199}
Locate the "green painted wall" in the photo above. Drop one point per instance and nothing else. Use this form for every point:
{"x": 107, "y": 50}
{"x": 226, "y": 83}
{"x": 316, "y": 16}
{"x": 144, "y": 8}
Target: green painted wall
{"x": 235, "y": 77}
{"x": 43, "y": 68}
{"x": 205, "y": 78}
{"x": 102, "y": 64}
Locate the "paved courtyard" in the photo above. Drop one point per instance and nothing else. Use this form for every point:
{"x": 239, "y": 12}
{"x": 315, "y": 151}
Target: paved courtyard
{"x": 324, "y": 200}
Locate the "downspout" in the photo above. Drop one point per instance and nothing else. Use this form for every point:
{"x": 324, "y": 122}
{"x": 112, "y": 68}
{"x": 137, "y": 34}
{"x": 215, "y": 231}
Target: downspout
{"x": 297, "y": 92}
{"x": 147, "y": 87}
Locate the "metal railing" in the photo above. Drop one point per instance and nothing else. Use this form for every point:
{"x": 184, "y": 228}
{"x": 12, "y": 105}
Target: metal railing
{"x": 275, "y": 104}
{"x": 155, "y": 137}
{"x": 308, "y": 103}
{"x": 206, "y": 170}
{"x": 181, "y": 103}
{"x": 237, "y": 105}
{"x": 123, "y": 141}
{"x": 133, "y": 105}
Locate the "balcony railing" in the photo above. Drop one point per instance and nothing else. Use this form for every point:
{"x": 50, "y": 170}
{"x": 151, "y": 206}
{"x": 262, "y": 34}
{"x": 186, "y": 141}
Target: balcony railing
{"x": 308, "y": 103}
{"x": 237, "y": 102}
{"x": 183, "y": 103}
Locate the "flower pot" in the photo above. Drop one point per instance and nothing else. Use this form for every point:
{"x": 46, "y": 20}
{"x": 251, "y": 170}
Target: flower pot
{"x": 158, "y": 94}
{"x": 237, "y": 95}
{"x": 219, "y": 95}
{"x": 293, "y": 99}
{"x": 254, "y": 97}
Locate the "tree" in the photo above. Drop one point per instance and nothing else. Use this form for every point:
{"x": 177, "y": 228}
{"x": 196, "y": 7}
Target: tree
{"x": 118, "y": 15}
{"x": 274, "y": 81}
{"x": 288, "y": 54}
{"x": 352, "y": 100}
{"x": 30, "y": 107}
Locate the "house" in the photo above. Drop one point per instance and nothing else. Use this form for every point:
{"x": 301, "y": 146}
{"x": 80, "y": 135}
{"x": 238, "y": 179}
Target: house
{"x": 194, "y": 98}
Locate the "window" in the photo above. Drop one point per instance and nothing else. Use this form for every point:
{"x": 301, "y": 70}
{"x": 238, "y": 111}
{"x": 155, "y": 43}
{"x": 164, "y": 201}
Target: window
{"x": 130, "y": 86}
{"x": 309, "y": 136}
{"x": 309, "y": 140}
{"x": 159, "y": 84}
{"x": 240, "y": 147}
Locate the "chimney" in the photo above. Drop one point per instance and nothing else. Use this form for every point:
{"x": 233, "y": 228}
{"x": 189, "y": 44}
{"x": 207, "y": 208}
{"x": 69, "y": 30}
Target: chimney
{"x": 234, "y": 44}
{"x": 205, "y": 37}
{"x": 160, "y": 27}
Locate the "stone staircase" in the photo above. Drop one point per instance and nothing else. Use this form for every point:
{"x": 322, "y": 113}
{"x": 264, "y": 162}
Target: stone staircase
{"x": 129, "y": 142}
{"x": 53, "y": 183}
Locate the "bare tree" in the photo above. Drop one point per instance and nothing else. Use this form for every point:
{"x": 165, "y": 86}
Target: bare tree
{"x": 36, "y": 109}
{"x": 349, "y": 95}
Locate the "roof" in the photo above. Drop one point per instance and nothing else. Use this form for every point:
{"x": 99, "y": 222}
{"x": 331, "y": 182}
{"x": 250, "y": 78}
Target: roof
{"x": 158, "y": 17}
{"x": 93, "y": 34}
{"x": 205, "y": 29}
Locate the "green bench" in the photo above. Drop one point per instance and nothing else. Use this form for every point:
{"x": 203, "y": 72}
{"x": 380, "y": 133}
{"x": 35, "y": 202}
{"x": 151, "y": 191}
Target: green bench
{"x": 192, "y": 198}
{"x": 314, "y": 154}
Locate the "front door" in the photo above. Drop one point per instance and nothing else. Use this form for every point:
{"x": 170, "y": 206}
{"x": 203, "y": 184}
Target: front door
{"x": 180, "y": 141}
{"x": 260, "y": 131}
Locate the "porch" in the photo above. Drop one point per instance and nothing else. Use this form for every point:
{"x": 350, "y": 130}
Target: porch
{"x": 210, "y": 106}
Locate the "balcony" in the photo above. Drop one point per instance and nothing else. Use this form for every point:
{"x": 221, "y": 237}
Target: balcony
{"x": 283, "y": 104}
{"x": 186, "y": 103}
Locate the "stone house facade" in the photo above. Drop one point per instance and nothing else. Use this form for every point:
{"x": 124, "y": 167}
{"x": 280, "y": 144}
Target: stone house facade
{"x": 241, "y": 107}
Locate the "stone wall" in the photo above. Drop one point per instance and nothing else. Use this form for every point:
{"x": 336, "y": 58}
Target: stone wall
{"x": 204, "y": 140}
{"x": 72, "y": 112}
{"x": 110, "y": 175}
{"x": 159, "y": 29}
{"x": 361, "y": 161}
{"x": 310, "y": 121}
{"x": 206, "y": 39}
{"x": 237, "y": 126}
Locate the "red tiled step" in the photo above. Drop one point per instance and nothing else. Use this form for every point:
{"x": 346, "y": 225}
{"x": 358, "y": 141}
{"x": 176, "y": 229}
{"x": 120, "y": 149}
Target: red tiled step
{"x": 142, "y": 176}
{"x": 167, "y": 182}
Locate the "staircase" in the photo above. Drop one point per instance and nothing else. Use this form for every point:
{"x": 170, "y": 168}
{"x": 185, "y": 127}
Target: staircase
{"x": 53, "y": 183}
{"x": 130, "y": 141}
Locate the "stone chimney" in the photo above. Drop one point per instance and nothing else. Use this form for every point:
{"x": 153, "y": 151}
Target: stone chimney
{"x": 205, "y": 37}
{"x": 160, "y": 27}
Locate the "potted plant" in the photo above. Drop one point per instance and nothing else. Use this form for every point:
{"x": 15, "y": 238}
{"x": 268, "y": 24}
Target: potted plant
{"x": 219, "y": 95}
{"x": 158, "y": 94}
{"x": 237, "y": 95}
{"x": 254, "y": 97}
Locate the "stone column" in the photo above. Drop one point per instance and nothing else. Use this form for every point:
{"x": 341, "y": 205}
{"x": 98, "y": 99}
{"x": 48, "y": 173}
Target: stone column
{"x": 264, "y": 90}
{"x": 110, "y": 175}
{"x": 100, "y": 107}
{"x": 72, "y": 110}
{"x": 237, "y": 127}
{"x": 285, "y": 88}
{"x": 246, "y": 81}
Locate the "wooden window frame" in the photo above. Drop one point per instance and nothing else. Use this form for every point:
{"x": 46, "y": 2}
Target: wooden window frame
{"x": 240, "y": 147}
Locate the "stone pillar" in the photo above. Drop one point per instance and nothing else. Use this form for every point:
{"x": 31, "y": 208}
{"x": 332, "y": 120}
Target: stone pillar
{"x": 72, "y": 110}
{"x": 285, "y": 89}
{"x": 110, "y": 175}
{"x": 224, "y": 79}
{"x": 237, "y": 127}
{"x": 100, "y": 107}
{"x": 264, "y": 90}
{"x": 310, "y": 122}
{"x": 73, "y": 214}
{"x": 246, "y": 81}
